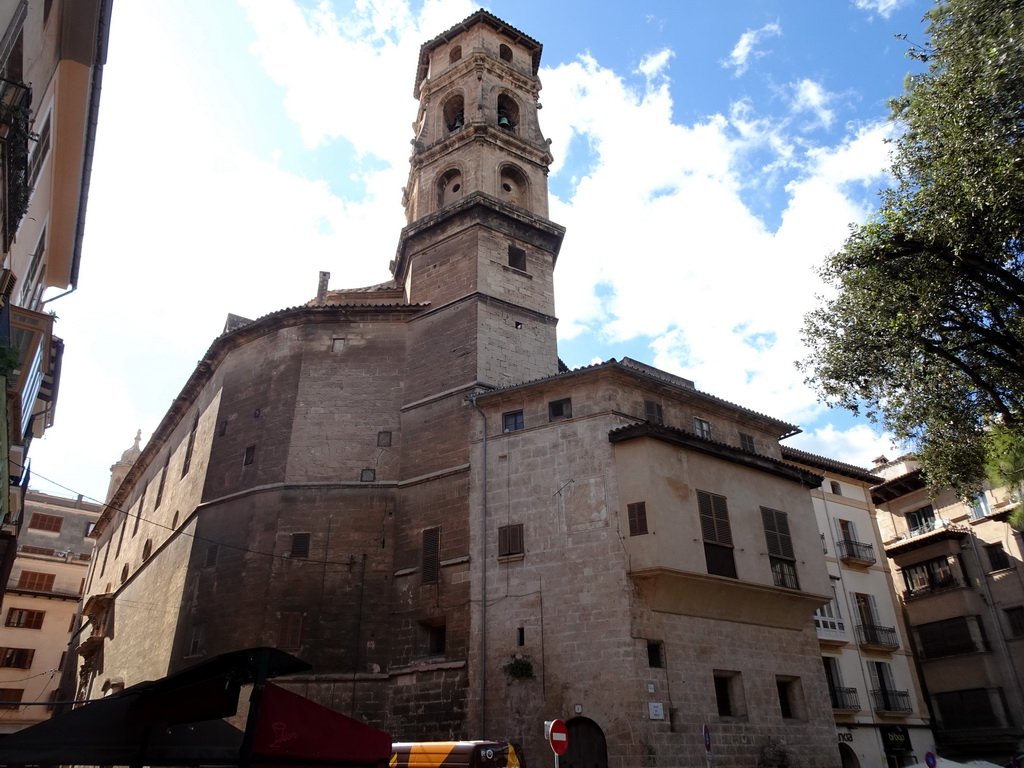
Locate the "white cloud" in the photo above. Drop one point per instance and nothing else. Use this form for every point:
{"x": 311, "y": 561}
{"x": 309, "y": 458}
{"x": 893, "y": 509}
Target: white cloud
{"x": 746, "y": 47}
{"x": 859, "y": 445}
{"x": 883, "y": 8}
{"x": 809, "y": 96}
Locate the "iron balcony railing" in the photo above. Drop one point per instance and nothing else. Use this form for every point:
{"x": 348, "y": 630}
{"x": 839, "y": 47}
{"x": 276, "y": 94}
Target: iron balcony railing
{"x": 877, "y": 637}
{"x": 844, "y": 698}
{"x": 855, "y": 550}
{"x": 885, "y": 700}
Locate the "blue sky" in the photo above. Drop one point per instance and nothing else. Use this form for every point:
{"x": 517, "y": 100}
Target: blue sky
{"x": 708, "y": 155}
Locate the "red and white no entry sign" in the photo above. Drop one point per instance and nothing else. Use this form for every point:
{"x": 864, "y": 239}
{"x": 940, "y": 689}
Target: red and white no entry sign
{"x": 557, "y": 735}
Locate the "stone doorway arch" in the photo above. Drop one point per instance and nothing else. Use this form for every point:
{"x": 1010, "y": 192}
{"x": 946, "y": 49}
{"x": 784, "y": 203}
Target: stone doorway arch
{"x": 848, "y": 756}
{"x": 587, "y": 745}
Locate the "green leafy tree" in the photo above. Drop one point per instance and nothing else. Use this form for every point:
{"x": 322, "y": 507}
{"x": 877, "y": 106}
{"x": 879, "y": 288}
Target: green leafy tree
{"x": 925, "y": 329}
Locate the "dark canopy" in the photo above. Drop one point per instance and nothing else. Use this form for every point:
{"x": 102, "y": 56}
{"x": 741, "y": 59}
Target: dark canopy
{"x": 179, "y": 721}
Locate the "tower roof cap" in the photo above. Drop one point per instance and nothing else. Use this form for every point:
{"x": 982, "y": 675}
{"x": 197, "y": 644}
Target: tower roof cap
{"x": 480, "y": 17}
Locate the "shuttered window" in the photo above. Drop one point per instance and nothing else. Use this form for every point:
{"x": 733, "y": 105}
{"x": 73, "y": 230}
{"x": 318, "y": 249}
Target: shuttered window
{"x": 25, "y": 619}
{"x": 776, "y": 533}
{"x": 637, "y": 518}
{"x": 653, "y": 412}
{"x": 780, "y": 548}
{"x": 36, "y": 581}
{"x": 431, "y": 555}
{"x": 41, "y": 522}
{"x": 16, "y": 658}
{"x": 300, "y": 545}
{"x": 510, "y": 540}
{"x": 714, "y": 526}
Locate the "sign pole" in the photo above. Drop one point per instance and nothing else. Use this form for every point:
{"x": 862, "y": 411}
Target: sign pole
{"x": 557, "y": 736}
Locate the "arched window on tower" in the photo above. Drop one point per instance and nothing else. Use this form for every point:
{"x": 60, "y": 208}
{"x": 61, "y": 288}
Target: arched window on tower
{"x": 454, "y": 114}
{"x": 449, "y": 187}
{"x": 455, "y": 54}
{"x": 505, "y": 53}
{"x": 508, "y": 112}
{"x": 513, "y": 186}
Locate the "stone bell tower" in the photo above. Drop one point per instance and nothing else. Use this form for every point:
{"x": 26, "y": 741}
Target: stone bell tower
{"x": 479, "y": 248}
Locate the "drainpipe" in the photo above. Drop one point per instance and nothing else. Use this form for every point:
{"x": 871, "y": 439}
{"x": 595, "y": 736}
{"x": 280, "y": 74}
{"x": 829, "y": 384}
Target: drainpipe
{"x": 483, "y": 577}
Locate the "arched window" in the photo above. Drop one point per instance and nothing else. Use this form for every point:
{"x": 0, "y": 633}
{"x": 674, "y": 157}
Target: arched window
{"x": 513, "y": 186}
{"x": 124, "y": 574}
{"x": 454, "y": 115}
{"x": 147, "y": 550}
{"x": 449, "y": 187}
{"x": 505, "y": 53}
{"x": 455, "y": 54}
{"x": 508, "y": 112}
{"x": 174, "y": 523}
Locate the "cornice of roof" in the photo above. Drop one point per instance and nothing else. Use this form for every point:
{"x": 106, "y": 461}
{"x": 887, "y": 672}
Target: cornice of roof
{"x": 829, "y": 465}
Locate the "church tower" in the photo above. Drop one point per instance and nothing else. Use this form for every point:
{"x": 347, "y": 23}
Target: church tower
{"x": 479, "y": 248}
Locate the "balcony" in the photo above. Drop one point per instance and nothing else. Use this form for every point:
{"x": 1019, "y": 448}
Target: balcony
{"x": 937, "y": 587}
{"x": 830, "y": 631}
{"x": 856, "y": 552}
{"x": 885, "y": 700}
{"x": 878, "y": 638}
{"x": 925, "y": 534}
{"x": 15, "y": 100}
{"x": 844, "y": 699}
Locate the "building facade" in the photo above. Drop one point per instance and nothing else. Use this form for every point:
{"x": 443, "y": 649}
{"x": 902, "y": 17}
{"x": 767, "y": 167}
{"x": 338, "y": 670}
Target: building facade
{"x": 881, "y": 714}
{"x": 41, "y": 606}
{"x": 957, "y": 567}
{"x": 51, "y": 62}
{"x": 403, "y": 486}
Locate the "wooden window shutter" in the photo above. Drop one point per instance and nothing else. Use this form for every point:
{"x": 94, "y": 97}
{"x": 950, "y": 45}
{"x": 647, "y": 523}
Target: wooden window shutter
{"x": 653, "y": 412}
{"x": 300, "y": 545}
{"x": 776, "y": 533}
{"x": 714, "y": 518}
{"x": 431, "y": 555}
{"x": 291, "y": 630}
{"x": 637, "y": 518}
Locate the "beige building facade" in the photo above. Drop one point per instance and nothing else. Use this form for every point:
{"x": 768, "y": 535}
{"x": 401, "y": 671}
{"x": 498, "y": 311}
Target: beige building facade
{"x": 51, "y": 62}
{"x": 404, "y": 486}
{"x": 957, "y": 570}
{"x": 41, "y": 605}
{"x": 880, "y": 711}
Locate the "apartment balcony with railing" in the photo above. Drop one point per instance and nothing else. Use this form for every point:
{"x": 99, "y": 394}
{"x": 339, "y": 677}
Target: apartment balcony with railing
{"x": 937, "y": 587}
{"x": 855, "y": 552}
{"x": 15, "y": 100}
{"x": 886, "y": 700}
{"x": 874, "y": 637}
{"x": 845, "y": 699}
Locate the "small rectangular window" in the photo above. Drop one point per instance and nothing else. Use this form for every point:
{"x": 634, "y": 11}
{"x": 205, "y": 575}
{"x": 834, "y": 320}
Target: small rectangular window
{"x": 160, "y": 485}
{"x": 723, "y": 696}
{"x": 517, "y": 258}
{"x": 510, "y": 540}
{"x": 338, "y": 345}
{"x": 290, "y": 635}
{"x": 997, "y": 557}
{"x": 434, "y": 638}
{"x": 785, "y": 698}
{"x": 368, "y": 475}
{"x": 521, "y": 636}
{"x": 10, "y": 698}
{"x": 431, "y": 555}
{"x": 384, "y": 439}
{"x": 747, "y": 442}
{"x": 300, "y": 545}
{"x": 41, "y": 522}
{"x": 510, "y": 422}
{"x": 250, "y": 456}
{"x": 1016, "y": 618}
{"x": 653, "y": 412}
{"x": 702, "y": 428}
{"x": 190, "y": 446}
{"x": 211, "y": 555}
{"x": 25, "y": 619}
{"x": 560, "y": 409}
{"x": 654, "y": 655}
{"x": 16, "y": 658}
{"x": 637, "y": 518}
